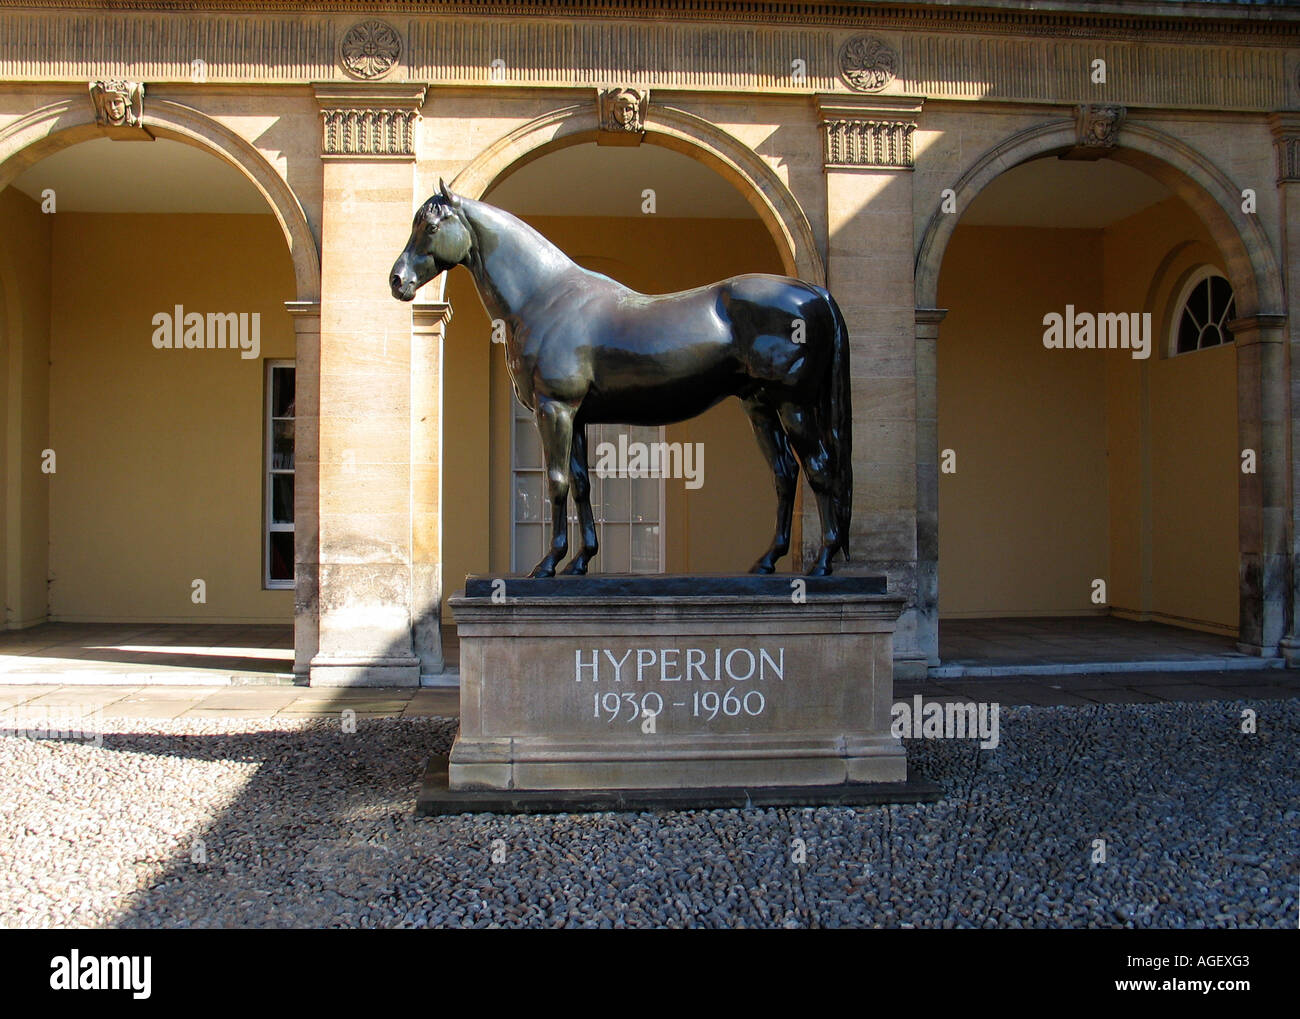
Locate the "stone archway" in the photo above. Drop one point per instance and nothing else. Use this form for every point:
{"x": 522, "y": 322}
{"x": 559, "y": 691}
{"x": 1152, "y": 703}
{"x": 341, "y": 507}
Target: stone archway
{"x": 56, "y": 126}
{"x": 45, "y": 131}
{"x": 674, "y": 129}
{"x": 1262, "y": 379}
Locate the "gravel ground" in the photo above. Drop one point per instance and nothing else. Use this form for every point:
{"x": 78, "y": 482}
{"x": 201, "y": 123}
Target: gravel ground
{"x": 304, "y": 825}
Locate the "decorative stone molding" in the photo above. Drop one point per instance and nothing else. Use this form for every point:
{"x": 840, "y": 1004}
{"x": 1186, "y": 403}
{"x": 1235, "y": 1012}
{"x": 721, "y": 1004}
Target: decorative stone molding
{"x": 369, "y": 49}
{"x": 1099, "y": 125}
{"x": 1096, "y": 128}
{"x": 868, "y": 133}
{"x": 945, "y": 53}
{"x": 867, "y": 64}
{"x": 1286, "y": 143}
{"x": 369, "y": 121}
{"x": 622, "y": 109}
{"x": 119, "y": 108}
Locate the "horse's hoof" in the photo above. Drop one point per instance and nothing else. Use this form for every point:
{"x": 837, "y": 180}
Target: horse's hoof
{"x": 541, "y": 571}
{"x": 575, "y": 569}
{"x": 762, "y": 568}
{"x": 819, "y": 570}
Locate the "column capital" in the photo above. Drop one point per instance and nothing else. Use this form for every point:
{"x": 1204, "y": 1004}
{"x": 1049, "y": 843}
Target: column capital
{"x": 1258, "y": 329}
{"x": 868, "y": 131}
{"x": 1285, "y": 125}
{"x": 369, "y": 120}
{"x": 430, "y": 316}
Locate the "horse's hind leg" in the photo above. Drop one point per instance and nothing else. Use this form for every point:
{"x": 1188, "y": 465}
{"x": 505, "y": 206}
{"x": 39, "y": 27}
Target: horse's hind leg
{"x": 582, "y": 497}
{"x": 555, "y": 424}
{"x": 814, "y": 454}
{"x": 785, "y": 474}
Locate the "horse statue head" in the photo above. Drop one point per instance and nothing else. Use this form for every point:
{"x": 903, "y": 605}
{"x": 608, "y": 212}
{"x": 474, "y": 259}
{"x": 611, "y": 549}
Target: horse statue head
{"x": 440, "y": 239}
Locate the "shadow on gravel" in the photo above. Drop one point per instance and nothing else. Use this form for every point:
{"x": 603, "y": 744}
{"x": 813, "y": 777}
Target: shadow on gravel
{"x": 1198, "y": 822}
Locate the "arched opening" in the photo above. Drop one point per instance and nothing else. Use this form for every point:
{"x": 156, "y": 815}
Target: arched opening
{"x": 150, "y": 441}
{"x": 1089, "y": 464}
{"x": 592, "y": 201}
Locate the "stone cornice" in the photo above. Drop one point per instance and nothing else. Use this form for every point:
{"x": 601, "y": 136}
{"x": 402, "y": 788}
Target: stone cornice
{"x": 369, "y": 120}
{"x": 941, "y": 52}
{"x": 1286, "y": 143}
{"x": 1119, "y": 19}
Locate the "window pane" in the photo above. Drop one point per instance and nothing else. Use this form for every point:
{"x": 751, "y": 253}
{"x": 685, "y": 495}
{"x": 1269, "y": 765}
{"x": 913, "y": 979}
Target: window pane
{"x": 614, "y": 550}
{"x": 282, "y": 499}
{"x": 645, "y": 500}
{"x": 1187, "y": 334}
{"x": 528, "y": 447}
{"x": 529, "y": 501}
{"x": 645, "y": 548}
{"x": 528, "y": 546}
{"x": 1220, "y": 298}
{"x": 280, "y": 554}
{"x": 616, "y": 499}
{"x": 1198, "y": 302}
{"x": 1211, "y": 337}
{"x": 282, "y": 392}
{"x": 282, "y": 445}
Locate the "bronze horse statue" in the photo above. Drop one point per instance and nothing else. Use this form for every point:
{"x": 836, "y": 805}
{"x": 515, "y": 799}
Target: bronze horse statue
{"x": 583, "y": 349}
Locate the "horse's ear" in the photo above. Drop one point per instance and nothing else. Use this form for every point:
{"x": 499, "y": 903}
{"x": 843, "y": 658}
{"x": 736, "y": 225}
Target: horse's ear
{"x": 448, "y": 197}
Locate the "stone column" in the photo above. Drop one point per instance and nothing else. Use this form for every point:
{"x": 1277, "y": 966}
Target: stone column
{"x": 367, "y": 601}
{"x": 868, "y": 159}
{"x": 306, "y": 484}
{"x": 1264, "y": 497}
{"x": 427, "y": 336}
{"x": 927, "y": 482}
{"x": 1286, "y": 142}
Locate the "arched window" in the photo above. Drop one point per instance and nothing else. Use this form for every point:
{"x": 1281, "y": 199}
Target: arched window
{"x": 1204, "y": 310}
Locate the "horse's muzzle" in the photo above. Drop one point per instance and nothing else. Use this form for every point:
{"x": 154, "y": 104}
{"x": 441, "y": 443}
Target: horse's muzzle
{"x": 403, "y": 290}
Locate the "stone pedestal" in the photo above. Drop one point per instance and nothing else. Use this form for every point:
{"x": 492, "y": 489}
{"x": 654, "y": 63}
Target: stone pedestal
{"x": 608, "y": 692}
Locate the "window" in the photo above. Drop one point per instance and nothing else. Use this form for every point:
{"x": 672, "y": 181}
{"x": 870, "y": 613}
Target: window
{"x": 628, "y": 511}
{"x": 1204, "y": 310}
{"x": 278, "y": 509}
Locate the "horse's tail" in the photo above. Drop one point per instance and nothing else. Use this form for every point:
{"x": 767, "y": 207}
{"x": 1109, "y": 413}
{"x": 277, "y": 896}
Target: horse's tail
{"x": 838, "y": 425}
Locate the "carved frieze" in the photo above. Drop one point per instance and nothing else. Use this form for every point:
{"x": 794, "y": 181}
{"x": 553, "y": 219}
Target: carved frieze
{"x": 370, "y": 49}
{"x": 868, "y": 64}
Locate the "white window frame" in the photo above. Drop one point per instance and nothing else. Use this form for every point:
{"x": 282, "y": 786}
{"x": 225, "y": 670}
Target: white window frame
{"x": 1198, "y": 276}
{"x": 269, "y": 471}
{"x": 516, "y": 420}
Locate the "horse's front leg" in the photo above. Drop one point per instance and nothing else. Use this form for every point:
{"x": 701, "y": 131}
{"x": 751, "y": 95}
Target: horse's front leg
{"x": 555, "y": 425}
{"x": 582, "y": 498}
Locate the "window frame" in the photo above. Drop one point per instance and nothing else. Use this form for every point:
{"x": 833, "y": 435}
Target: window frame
{"x": 269, "y": 526}
{"x": 520, "y": 415}
{"x": 1197, "y": 276}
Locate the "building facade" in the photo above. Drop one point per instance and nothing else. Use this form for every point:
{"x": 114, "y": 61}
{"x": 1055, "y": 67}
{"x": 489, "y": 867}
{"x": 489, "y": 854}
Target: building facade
{"x": 1062, "y": 235}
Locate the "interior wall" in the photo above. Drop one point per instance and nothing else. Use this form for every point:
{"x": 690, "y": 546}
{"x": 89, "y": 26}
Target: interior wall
{"x": 161, "y": 452}
{"x": 1023, "y": 521}
{"x": 25, "y": 249}
{"x": 1172, "y": 426}
{"x": 722, "y": 526}
{"x": 1074, "y": 465}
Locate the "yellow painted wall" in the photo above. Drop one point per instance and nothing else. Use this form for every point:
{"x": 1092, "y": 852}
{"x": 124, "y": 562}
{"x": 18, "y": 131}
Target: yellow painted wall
{"x": 722, "y": 526}
{"x": 1076, "y": 464}
{"x": 24, "y": 357}
{"x": 160, "y": 452}
{"x": 1023, "y": 521}
{"x": 1172, "y": 432}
